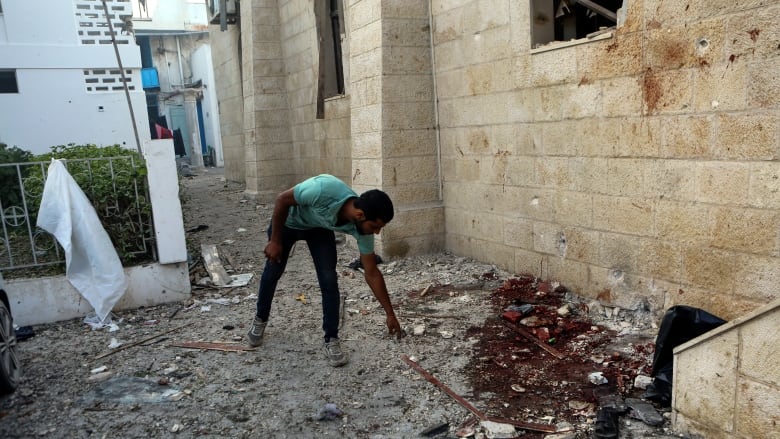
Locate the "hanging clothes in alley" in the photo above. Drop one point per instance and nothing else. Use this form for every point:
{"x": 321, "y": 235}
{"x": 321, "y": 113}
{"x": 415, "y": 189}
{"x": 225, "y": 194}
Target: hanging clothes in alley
{"x": 178, "y": 143}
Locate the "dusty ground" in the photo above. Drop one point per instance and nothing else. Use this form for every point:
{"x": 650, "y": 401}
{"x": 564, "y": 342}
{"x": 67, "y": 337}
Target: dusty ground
{"x": 76, "y": 386}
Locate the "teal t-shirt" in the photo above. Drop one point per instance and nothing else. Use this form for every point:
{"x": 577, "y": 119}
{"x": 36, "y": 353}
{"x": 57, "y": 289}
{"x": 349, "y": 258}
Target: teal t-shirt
{"x": 319, "y": 200}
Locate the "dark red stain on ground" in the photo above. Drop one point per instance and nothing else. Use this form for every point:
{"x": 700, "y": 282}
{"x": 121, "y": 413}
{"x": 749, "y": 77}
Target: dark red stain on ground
{"x": 514, "y": 378}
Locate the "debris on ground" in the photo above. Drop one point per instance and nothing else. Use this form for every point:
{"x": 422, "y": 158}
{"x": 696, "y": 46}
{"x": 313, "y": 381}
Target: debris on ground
{"x": 454, "y": 310}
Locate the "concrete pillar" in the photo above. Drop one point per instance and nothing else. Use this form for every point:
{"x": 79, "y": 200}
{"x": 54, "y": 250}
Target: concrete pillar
{"x": 266, "y": 110}
{"x": 393, "y": 121}
{"x": 191, "y": 112}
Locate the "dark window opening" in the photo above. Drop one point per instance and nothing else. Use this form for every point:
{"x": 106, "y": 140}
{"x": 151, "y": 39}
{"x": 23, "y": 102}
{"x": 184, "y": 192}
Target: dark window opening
{"x": 331, "y": 28}
{"x": 564, "y": 20}
{"x": 8, "y": 82}
{"x": 336, "y": 31}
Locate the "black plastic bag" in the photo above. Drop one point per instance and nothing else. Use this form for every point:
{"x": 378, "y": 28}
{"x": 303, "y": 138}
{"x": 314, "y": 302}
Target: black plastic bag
{"x": 680, "y": 324}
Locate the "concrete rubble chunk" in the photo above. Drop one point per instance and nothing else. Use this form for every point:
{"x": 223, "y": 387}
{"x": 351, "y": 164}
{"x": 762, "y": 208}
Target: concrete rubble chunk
{"x": 497, "y": 430}
{"x": 644, "y": 411}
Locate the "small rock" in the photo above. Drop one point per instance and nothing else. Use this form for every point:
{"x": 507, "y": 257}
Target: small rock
{"x": 642, "y": 381}
{"x": 522, "y": 309}
{"x": 418, "y": 330}
{"x": 542, "y": 333}
{"x": 99, "y": 377}
{"x": 578, "y": 405}
{"x": 497, "y": 430}
{"x": 597, "y": 378}
{"x": 564, "y": 426}
{"x": 534, "y": 321}
{"x": 518, "y": 388}
{"x": 329, "y": 412}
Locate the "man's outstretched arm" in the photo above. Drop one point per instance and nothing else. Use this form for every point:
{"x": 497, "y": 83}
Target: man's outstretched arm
{"x": 282, "y": 206}
{"x": 376, "y": 281}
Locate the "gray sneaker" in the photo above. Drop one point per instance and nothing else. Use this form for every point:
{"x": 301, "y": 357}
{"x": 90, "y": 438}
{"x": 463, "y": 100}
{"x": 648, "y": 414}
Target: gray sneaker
{"x": 336, "y": 357}
{"x": 255, "y": 334}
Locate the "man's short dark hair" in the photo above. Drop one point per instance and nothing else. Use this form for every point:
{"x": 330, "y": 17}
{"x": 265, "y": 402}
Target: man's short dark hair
{"x": 375, "y": 205}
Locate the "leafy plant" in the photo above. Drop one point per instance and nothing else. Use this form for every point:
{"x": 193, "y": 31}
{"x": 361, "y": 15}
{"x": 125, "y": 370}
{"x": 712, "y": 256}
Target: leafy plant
{"x": 116, "y": 186}
{"x": 10, "y": 194}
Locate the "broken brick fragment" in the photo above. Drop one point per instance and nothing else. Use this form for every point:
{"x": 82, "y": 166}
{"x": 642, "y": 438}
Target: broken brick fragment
{"x": 511, "y": 316}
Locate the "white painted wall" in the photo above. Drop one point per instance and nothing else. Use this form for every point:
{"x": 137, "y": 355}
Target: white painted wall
{"x": 53, "y": 299}
{"x": 166, "y": 206}
{"x": 202, "y": 68}
{"x": 53, "y": 106}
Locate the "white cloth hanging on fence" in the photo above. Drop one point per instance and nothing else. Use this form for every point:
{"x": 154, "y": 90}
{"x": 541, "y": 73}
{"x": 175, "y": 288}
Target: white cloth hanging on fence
{"x": 92, "y": 264}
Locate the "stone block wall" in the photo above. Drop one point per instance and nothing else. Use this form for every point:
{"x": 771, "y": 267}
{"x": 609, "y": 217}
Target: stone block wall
{"x": 727, "y": 382}
{"x": 227, "y": 68}
{"x": 639, "y": 167}
{"x": 393, "y": 120}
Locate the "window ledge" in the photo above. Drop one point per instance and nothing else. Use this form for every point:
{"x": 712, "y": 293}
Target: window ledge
{"x": 335, "y": 98}
{"x": 555, "y": 45}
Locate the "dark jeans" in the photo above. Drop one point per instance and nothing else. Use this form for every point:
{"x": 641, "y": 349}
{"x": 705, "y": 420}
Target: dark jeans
{"x": 322, "y": 246}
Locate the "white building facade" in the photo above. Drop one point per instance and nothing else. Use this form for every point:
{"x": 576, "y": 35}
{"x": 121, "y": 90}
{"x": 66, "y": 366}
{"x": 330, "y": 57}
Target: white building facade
{"x": 178, "y": 74}
{"x": 60, "y": 80}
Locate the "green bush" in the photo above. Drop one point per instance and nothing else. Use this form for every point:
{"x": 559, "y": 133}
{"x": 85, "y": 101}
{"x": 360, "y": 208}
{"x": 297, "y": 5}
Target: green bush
{"x": 9, "y": 182}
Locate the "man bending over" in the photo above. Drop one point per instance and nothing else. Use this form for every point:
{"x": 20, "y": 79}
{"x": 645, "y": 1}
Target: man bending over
{"x": 312, "y": 210}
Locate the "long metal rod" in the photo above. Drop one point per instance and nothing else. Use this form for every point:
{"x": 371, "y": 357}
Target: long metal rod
{"x": 471, "y": 408}
{"x": 440, "y": 385}
{"x": 124, "y": 79}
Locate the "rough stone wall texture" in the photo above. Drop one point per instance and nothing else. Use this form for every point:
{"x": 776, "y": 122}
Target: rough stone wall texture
{"x": 393, "y": 120}
{"x": 227, "y": 67}
{"x": 267, "y": 136}
{"x": 727, "y": 382}
{"x": 640, "y": 169}
{"x": 281, "y": 141}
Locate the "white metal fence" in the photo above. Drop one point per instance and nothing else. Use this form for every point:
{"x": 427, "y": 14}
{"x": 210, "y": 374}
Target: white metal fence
{"x": 116, "y": 186}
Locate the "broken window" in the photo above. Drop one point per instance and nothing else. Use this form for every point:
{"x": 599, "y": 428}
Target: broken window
{"x": 330, "y": 31}
{"x": 564, "y": 20}
{"x": 8, "y": 82}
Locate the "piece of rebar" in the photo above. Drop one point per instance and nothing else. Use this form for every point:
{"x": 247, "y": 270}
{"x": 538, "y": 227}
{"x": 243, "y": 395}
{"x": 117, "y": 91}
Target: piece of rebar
{"x": 554, "y": 352}
{"x": 214, "y": 346}
{"x": 129, "y": 345}
{"x": 440, "y": 385}
{"x": 471, "y": 408}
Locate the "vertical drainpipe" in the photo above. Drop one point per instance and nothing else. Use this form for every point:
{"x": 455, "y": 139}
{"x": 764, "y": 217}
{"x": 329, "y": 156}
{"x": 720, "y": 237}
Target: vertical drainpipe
{"x": 435, "y": 102}
{"x": 178, "y": 53}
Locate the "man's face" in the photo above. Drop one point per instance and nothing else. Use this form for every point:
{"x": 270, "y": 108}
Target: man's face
{"x": 369, "y": 227}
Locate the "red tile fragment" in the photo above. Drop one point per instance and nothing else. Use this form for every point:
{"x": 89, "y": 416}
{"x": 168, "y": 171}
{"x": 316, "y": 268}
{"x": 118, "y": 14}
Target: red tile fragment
{"x": 512, "y": 316}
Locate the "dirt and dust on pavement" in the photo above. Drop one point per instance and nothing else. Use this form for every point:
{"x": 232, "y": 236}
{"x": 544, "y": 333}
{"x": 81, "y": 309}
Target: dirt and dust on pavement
{"x": 471, "y": 365}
